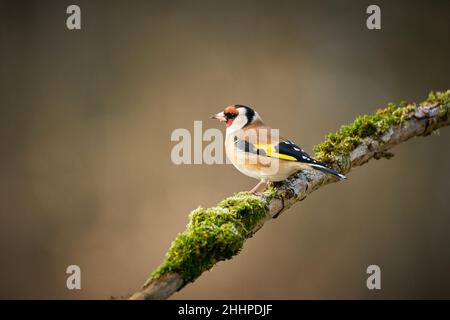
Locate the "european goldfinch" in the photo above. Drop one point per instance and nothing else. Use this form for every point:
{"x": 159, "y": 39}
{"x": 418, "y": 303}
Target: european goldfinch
{"x": 259, "y": 152}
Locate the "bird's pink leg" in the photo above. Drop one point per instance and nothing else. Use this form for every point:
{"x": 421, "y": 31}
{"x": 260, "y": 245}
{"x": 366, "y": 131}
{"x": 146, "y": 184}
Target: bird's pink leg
{"x": 257, "y": 187}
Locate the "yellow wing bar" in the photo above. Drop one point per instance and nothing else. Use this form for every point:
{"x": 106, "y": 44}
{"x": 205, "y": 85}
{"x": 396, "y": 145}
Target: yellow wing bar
{"x": 270, "y": 152}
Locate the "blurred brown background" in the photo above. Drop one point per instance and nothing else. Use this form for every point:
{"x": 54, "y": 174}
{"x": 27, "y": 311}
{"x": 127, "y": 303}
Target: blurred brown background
{"x": 86, "y": 118}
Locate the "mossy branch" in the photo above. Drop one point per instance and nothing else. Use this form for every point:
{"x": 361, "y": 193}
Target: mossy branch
{"x": 218, "y": 233}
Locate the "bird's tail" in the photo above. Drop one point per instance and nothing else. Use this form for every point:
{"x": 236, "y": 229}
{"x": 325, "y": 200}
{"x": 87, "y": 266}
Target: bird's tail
{"x": 324, "y": 168}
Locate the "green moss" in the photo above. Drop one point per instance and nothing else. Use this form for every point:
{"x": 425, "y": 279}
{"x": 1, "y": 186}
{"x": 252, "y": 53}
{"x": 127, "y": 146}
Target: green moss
{"x": 271, "y": 191}
{"x": 336, "y": 148}
{"x": 212, "y": 235}
{"x": 442, "y": 98}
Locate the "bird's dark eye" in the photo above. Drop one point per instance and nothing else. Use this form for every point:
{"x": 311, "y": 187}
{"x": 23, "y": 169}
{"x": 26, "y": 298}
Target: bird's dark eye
{"x": 230, "y": 115}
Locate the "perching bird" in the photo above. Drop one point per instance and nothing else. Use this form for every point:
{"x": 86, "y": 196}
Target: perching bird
{"x": 257, "y": 151}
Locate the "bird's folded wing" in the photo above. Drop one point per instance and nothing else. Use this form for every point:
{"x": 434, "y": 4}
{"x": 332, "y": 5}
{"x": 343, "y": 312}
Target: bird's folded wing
{"x": 285, "y": 150}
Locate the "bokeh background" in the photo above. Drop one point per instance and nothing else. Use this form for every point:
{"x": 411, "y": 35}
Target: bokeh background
{"x": 86, "y": 117}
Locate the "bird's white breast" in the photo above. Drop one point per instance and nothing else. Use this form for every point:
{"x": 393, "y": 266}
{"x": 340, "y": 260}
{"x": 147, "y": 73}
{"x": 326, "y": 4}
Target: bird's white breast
{"x": 259, "y": 167}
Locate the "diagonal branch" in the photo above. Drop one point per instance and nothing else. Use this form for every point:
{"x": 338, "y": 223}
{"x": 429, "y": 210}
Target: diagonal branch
{"x": 218, "y": 233}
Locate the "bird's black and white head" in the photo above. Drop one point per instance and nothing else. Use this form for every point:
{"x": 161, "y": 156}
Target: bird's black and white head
{"x": 237, "y": 117}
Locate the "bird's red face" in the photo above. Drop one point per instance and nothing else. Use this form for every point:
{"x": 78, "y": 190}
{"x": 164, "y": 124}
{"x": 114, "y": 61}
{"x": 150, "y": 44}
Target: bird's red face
{"x": 228, "y": 115}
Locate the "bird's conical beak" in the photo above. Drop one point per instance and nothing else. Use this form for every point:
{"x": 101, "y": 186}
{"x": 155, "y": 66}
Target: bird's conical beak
{"x": 220, "y": 116}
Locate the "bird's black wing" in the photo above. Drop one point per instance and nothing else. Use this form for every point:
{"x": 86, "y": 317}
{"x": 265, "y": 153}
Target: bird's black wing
{"x": 290, "y": 149}
{"x": 246, "y": 146}
{"x": 285, "y": 150}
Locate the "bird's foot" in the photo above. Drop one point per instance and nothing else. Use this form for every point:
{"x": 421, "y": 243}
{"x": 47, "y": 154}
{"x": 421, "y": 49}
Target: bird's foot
{"x": 257, "y": 187}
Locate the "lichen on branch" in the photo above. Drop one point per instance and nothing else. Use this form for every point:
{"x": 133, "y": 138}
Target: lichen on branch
{"x": 336, "y": 148}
